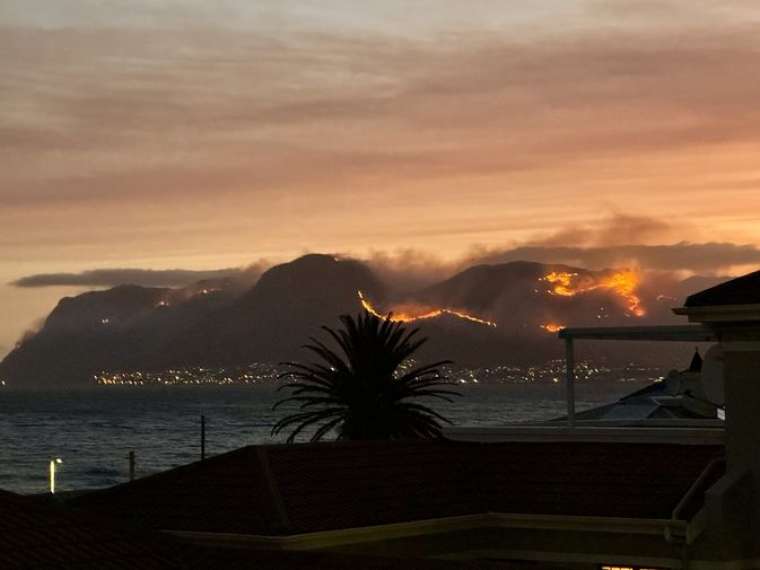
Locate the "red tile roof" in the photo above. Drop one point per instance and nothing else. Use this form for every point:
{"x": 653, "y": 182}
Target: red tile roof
{"x": 288, "y": 489}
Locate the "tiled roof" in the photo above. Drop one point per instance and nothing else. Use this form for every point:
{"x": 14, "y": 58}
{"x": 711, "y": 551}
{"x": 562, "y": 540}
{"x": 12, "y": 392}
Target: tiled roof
{"x": 36, "y": 536}
{"x": 39, "y": 535}
{"x": 743, "y": 290}
{"x": 631, "y": 480}
{"x": 227, "y": 492}
{"x": 289, "y": 489}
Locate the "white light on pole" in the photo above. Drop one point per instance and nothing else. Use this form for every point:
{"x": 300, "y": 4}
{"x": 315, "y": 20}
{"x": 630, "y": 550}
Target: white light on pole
{"x": 53, "y": 462}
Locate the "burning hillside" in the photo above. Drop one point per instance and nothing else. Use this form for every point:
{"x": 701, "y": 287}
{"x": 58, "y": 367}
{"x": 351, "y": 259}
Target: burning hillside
{"x": 623, "y": 283}
{"x": 409, "y": 313}
{"x": 136, "y": 328}
{"x": 523, "y": 296}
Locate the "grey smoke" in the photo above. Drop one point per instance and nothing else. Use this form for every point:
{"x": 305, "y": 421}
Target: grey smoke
{"x": 144, "y": 277}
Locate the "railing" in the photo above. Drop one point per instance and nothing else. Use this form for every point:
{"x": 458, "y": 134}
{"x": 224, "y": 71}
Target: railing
{"x": 706, "y": 479}
{"x": 673, "y": 333}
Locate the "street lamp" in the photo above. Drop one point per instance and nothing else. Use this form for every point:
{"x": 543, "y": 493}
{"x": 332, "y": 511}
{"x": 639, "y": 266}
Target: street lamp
{"x": 53, "y": 462}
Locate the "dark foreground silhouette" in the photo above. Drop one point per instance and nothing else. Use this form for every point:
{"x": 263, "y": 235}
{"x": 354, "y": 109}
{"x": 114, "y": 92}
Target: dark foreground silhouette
{"x": 364, "y": 393}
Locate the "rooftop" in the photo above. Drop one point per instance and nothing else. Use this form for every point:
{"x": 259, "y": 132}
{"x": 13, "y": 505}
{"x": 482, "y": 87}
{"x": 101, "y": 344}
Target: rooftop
{"x": 40, "y": 536}
{"x": 743, "y": 290}
{"x": 292, "y": 489}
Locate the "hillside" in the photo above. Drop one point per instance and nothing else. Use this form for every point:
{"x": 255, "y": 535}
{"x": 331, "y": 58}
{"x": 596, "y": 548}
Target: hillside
{"x": 221, "y": 323}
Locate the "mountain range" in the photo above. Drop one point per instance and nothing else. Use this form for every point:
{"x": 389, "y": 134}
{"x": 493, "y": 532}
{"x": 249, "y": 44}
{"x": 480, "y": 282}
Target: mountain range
{"x": 487, "y": 314}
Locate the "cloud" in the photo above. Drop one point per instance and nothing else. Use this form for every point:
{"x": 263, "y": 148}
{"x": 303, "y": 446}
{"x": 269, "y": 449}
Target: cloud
{"x": 616, "y": 229}
{"x": 615, "y": 240}
{"x": 144, "y": 277}
{"x": 627, "y": 240}
{"x": 684, "y": 256}
{"x": 298, "y": 108}
{"x": 289, "y": 132}
{"x": 409, "y": 269}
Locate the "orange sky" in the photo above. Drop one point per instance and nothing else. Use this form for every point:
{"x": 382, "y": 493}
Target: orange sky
{"x": 202, "y": 134}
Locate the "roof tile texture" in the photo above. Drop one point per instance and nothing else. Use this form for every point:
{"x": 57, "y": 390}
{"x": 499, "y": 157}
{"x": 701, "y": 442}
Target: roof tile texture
{"x": 290, "y": 489}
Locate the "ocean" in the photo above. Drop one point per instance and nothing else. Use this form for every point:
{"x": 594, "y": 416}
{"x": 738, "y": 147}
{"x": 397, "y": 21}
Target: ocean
{"x": 93, "y": 430}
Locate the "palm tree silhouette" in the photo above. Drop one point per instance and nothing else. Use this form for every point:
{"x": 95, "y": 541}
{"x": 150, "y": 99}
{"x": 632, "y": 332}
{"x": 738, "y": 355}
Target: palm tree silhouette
{"x": 363, "y": 393}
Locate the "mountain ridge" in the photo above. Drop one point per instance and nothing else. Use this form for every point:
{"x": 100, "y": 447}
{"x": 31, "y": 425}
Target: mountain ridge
{"x": 216, "y": 323}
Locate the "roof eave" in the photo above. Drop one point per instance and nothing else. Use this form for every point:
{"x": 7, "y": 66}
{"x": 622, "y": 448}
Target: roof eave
{"x": 358, "y": 535}
{"x": 721, "y": 313}
{"x": 673, "y": 333}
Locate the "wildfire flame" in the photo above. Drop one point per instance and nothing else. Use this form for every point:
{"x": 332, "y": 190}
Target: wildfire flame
{"x": 552, "y": 327}
{"x": 624, "y": 283}
{"x": 407, "y": 314}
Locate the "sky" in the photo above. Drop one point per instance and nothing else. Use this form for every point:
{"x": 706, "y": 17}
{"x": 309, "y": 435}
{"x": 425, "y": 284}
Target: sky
{"x": 196, "y": 135}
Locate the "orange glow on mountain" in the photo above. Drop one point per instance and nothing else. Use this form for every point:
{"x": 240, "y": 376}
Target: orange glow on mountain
{"x": 552, "y": 327}
{"x": 562, "y": 282}
{"x": 411, "y": 313}
{"x": 624, "y": 283}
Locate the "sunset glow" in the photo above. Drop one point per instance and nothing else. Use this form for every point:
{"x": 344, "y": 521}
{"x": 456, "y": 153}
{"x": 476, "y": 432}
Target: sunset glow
{"x": 379, "y": 241}
{"x": 162, "y": 135}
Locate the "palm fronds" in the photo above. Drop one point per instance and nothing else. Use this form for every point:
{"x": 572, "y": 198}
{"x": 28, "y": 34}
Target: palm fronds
{"x": 360, "y": 390}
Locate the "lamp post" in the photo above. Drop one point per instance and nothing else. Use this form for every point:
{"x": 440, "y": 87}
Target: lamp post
{"x": 203, "y": 437}
{"x": 53, "y": 463}
{"x": 131, "y": 457}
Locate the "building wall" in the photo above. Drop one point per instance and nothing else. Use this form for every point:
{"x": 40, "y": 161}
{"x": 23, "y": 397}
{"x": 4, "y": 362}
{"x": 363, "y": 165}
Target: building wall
{"x": 742, "y": 378}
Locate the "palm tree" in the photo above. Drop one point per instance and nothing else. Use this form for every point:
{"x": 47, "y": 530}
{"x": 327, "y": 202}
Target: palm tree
{"x": 362, "y": 393}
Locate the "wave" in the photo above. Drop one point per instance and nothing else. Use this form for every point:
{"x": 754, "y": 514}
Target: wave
{"x": 102, "y": 472}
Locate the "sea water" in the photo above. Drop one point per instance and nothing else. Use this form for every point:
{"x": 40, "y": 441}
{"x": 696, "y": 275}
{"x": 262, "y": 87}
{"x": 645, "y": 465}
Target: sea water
{"x": 93, "y": 430}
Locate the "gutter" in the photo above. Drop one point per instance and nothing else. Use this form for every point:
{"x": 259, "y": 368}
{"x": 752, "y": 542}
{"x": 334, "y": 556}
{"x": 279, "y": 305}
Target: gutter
{"x": 712, "y": 433}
